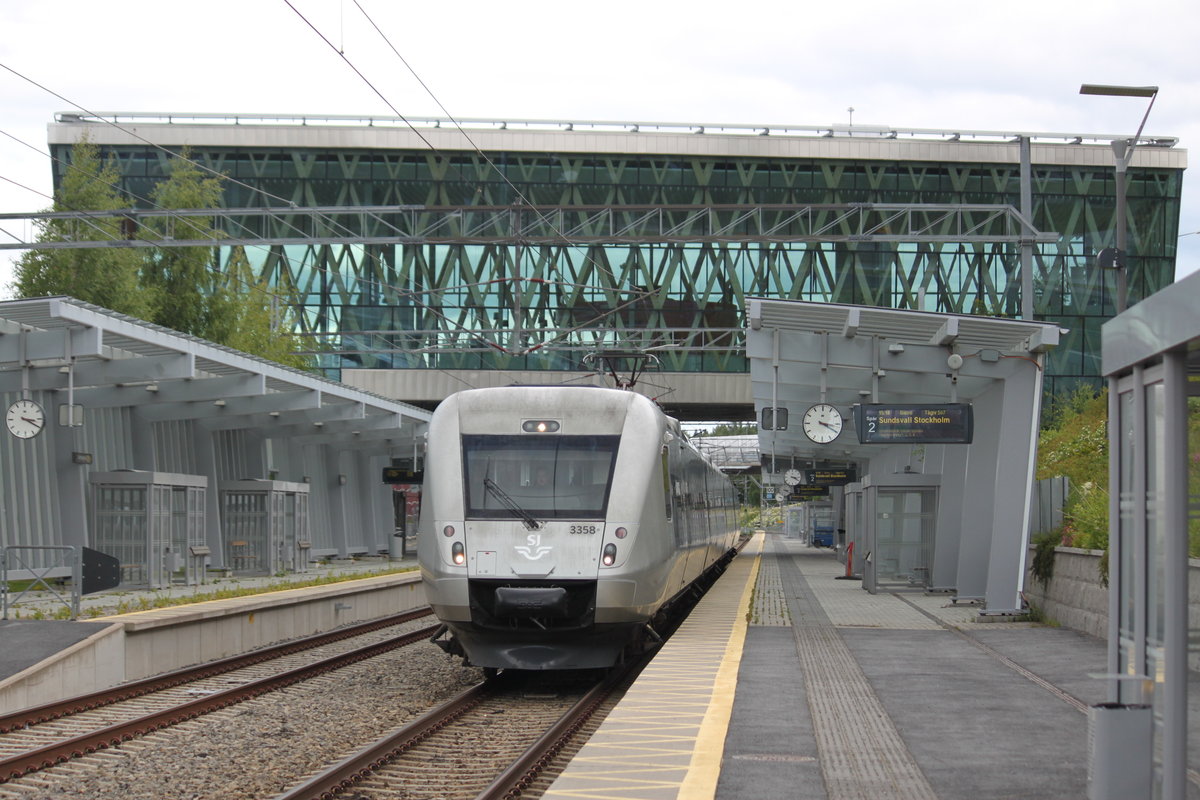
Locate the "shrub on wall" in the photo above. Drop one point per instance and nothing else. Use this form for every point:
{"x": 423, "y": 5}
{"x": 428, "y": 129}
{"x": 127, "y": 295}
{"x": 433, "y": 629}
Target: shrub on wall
{"x": 1042, "y": 565}
{"x": 1075, "y": 443}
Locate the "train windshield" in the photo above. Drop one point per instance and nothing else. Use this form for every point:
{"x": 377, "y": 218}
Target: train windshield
{"x": 548, "y": 477}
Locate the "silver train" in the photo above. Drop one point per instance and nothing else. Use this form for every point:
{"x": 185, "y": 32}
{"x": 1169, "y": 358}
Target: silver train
{"x": 557, "y": 522}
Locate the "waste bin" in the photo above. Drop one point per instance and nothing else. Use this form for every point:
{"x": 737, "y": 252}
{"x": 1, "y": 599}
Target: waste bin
{"x": 1119, "y": 737}
{"x": 396, "y": 546}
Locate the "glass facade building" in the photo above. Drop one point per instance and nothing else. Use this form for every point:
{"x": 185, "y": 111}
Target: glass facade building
{"x": 485, "y": 299}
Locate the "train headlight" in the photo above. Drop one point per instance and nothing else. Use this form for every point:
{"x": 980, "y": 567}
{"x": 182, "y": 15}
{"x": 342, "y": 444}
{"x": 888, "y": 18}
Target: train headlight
{"x": 458, "y": 553}
{"x": 621, "y": 533}
{"x": 609, "y": 556}
{"x": 448, "y": 531}
{"x": 540, "y": 426}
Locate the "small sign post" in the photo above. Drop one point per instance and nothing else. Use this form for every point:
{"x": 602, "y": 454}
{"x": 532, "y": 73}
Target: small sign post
{"x": 402, "y": 475}
{"x": 805, "y": 492}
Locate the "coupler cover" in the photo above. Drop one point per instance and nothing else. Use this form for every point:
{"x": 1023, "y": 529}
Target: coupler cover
{"x": 531, "y": 601}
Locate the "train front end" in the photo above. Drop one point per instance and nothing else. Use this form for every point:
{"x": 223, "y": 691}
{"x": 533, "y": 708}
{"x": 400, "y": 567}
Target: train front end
{"x": 531, "y": 531}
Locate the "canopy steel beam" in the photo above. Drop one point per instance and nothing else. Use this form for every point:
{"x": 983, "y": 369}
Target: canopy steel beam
{"x": 569, "y": 225}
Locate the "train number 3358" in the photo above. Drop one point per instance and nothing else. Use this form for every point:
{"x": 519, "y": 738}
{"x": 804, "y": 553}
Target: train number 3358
{"x": 583, "y": 529}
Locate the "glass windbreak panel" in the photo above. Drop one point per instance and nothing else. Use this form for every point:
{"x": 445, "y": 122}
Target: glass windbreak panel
{"x": 1193, "y": 525}
{"x": 1156, "y": 474}
{"x": 545, "y": 477}
{"x": 1125, "y": 534}
{"x": 904, "y": 535}
{"x": 1156, "y": 430}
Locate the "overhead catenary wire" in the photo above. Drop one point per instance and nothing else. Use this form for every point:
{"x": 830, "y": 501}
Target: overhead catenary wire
{"x": 491, "y": 164}
{"x": 474, "y": 146}
{"x": 133, "y": 134}
{"x": 208, "y": 170}
{"x": 290, "y": 204}
{"x": 183, "y": 220}
{"x": 186, "y": 221}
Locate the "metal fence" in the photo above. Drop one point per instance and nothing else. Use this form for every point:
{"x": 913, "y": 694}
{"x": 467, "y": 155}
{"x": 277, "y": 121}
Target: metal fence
{"x": 39, "y": 565}
{"x": 1049, "y": 497}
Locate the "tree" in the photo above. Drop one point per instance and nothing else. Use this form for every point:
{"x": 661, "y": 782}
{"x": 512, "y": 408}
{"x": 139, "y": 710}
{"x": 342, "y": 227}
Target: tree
{"x": 108, "y": 277}
{"x": 184, "y": 279}
{"x": 230, "y": 307}
{"x": 249, "y": 316}
{"x": 181, "y": 288}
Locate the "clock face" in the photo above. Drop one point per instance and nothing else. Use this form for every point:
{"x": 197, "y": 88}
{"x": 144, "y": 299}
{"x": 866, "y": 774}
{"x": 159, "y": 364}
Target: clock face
{"x": 822, "y": 423}
{"x": 791, "y": 477}
{"x": 25, "y": 419}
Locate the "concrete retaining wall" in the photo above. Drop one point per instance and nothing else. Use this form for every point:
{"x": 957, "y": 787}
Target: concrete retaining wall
{"x": 149, "y": 643}
{"x": 1075, "y": 598}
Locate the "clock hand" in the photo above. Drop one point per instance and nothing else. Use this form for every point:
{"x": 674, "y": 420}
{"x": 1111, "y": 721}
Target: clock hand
{"x": 30, "y": 421}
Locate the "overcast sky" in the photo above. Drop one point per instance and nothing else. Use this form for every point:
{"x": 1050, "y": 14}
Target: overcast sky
{"x": 924, "y": 64}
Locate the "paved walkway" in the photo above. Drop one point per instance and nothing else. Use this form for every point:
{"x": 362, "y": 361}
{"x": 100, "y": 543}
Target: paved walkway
{"x": 788, "y": 683}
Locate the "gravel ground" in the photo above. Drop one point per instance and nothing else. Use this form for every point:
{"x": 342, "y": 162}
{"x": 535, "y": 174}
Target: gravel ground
{"x": 263, "y": 747}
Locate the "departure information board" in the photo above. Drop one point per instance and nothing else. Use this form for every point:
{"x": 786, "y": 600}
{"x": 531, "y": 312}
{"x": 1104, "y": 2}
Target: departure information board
{"x": 808, "y": 492}
{"x": 935, "y": 423}
{"x": 401, "y": 475}
{"x": 830, "y": 477}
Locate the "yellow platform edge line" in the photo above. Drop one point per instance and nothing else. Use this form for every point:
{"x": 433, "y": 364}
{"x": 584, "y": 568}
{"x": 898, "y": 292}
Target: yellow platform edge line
{"x": 705, "y": 768}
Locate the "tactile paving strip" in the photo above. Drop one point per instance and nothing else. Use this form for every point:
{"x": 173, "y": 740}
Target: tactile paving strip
{"x": 769, "y": 607}
{"x": 861, "y": 753}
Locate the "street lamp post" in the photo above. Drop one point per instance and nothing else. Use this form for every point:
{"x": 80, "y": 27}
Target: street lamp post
{"x": 1122, "y": 155}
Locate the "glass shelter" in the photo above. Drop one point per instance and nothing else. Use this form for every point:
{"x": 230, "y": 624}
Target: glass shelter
{"x": 1152, "y": 362}
{"x": 153, "y": 523}
{"x": 265, "y": 527}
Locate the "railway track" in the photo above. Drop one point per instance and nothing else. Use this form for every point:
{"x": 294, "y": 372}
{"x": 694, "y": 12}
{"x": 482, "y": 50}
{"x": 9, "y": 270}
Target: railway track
{"x": 503, "y": 738}
{"x": 496, "y": 740}
{"x": 38, "y": 738}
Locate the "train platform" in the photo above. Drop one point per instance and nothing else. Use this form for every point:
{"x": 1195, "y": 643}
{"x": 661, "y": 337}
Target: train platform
{"x": 125, "y": 634}
{"x": 786, "y": 682}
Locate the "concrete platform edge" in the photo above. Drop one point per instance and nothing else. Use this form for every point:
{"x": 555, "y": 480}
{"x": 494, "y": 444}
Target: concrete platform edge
{"x": 705, "y": 770}
{"x": 94, "y": 663}
{"x": 146, "y": 643}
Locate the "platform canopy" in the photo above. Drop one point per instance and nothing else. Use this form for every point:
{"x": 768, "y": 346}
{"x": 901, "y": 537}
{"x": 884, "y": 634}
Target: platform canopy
{"x": 944, "y": 465}
{"x": 805, "y": 353}
{"x": 93, "y": 358}
{"x": 731, "y": 454}
{"x": 87, "y": 390}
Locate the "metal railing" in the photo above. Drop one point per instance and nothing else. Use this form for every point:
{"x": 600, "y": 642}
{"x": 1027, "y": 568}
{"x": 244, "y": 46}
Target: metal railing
{"x": 15, "y": 566}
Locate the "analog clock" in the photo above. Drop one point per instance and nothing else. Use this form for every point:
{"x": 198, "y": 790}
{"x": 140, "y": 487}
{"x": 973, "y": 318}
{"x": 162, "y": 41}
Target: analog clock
{"x": 791, "y": 477}
{"x": 822, "y": 423}
{"x": 25, "y": 419}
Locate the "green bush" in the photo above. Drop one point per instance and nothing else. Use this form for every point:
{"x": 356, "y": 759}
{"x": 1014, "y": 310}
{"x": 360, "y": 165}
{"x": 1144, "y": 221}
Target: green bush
{"x": 1086, "y": 517}
{"x": 1042, "y": 566}
{"x": 1074, "y": 443}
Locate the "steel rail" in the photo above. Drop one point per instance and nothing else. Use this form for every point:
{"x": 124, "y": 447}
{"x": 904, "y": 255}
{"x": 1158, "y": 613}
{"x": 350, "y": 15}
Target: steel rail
{"x": 113, "y": 735}
{"x": 525, "y": 770}
{"x": 116, "y": 694}
{"x": 521, "y": 773}
{"x": 358, "y": 766}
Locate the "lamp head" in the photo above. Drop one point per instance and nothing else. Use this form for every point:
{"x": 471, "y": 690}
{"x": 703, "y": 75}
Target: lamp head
{"x": 1118, "y": 91}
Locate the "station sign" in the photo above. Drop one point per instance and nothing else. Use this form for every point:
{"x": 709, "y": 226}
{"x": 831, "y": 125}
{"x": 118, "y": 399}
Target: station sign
{"x": 808, "y": 492}
{"x": 931, "y": 423}
{"x": 830, "y": 477}
{"x": 403, "y": 475}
